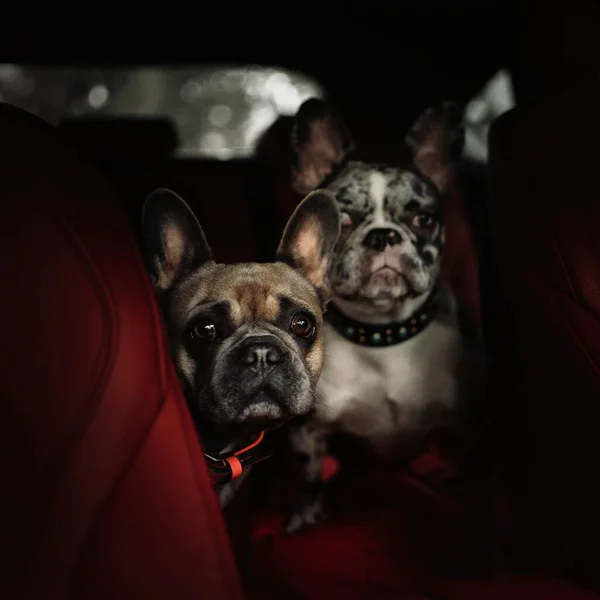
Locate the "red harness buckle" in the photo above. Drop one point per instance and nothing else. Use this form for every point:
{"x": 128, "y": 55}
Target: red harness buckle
{"x": 235, "y": 465}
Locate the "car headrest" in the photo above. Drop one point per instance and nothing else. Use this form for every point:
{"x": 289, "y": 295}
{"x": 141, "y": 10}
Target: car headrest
{"x": 105, "y": 491}
{"x": 122, "y": 137}
{"x": 543, "y": 161}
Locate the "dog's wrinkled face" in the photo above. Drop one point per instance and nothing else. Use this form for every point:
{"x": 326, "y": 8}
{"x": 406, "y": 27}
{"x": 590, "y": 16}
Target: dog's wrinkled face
{"x": 246, "y": 338}
{"x": 392, "y": 234}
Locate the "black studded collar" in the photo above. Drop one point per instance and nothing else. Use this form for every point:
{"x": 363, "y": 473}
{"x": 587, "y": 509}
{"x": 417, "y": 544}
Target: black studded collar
{"x": 379, "y": 336}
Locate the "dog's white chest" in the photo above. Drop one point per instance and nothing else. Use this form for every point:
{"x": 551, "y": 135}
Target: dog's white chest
{"x": 385, "y": 393}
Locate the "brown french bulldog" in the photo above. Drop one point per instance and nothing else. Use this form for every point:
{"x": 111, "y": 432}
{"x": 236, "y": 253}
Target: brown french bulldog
{"x": 246, "y": 339}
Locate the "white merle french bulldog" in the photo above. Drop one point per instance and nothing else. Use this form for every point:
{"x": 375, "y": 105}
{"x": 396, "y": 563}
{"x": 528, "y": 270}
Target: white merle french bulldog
{"x": 398, "y": 365}
{"x": 246, "y": 339}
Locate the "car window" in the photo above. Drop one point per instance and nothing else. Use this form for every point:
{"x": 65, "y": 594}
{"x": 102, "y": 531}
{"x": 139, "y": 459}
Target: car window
{"x": 218, "y": 111}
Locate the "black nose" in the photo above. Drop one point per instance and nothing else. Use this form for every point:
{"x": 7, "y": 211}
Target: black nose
{"x": 378, "y": 239}
{"x": 260, "y": 352}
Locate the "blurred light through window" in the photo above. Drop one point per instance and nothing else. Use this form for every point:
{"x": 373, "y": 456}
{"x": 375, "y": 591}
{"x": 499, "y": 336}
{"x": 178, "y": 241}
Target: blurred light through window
{"x": 495, "y": 98}
{"x": 218, "y": 112}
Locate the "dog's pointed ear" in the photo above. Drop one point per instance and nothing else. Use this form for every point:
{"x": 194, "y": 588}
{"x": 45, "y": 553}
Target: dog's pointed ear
{"x": 310, "y": 237}
{"x": 320, "y": 141}
{"x": 436, "y": 141}
{"x": 175, "y": 242}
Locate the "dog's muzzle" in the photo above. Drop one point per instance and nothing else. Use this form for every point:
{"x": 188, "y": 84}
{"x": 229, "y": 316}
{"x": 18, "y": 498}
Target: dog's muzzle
{"x": 261, "y": 353}
{"x": 259, "y": 378}
{"x": 380, "y": 239}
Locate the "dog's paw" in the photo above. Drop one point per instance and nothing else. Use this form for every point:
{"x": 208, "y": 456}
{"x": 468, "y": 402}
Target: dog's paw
{"x": 309, "y": 514}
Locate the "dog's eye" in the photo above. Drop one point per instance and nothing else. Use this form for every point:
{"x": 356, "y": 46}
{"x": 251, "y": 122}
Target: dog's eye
{"x": 424, "y": 221}
{"x": 346, "y": 219}
{"x": 204, "y": 331}
{"x": 303, "y": 326}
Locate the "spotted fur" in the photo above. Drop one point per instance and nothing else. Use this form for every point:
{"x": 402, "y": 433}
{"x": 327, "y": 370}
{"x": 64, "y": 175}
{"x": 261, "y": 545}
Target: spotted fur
{"x": 391, "y": 397}
{"x": 386, "y": 198}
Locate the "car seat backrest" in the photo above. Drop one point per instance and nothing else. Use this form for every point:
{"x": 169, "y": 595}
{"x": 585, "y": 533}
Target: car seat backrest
{"x": 105, "y": 490}
{"x": 544, "y": 218}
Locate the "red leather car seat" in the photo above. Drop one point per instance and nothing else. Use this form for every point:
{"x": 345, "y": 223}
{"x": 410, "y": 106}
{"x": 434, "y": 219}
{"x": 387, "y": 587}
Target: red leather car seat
{"x": 105, "y": 493}
{"x": 545, "y": 216}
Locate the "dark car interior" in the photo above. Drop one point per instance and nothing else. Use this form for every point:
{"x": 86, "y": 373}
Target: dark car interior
{"x": 106, "y": 492}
